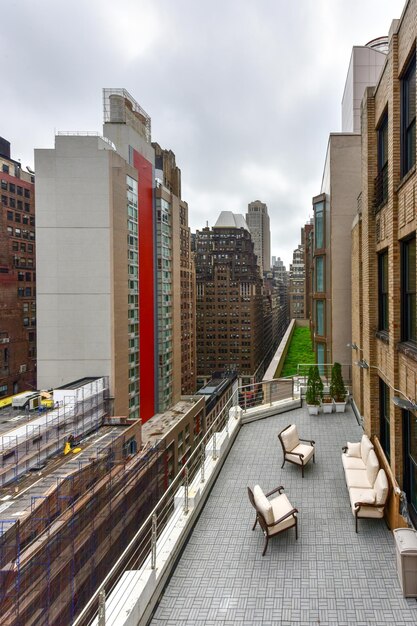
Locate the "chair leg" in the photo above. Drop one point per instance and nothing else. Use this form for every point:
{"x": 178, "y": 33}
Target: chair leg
{"x": 302, "y": 470}
{"x": 356, "y": 523}
{"x": 283, "y": 463}
{"x": 296, "y": 529}
{"x": 256, "y": 521}
{"x": 266, "y": 545}
{"x": 314, "y": 458}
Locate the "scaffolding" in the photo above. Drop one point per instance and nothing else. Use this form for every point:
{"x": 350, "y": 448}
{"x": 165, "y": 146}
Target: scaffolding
{"x": 119, "y": 107}
{"x": 79, "y": 411}
{"x": 52, "y": 561}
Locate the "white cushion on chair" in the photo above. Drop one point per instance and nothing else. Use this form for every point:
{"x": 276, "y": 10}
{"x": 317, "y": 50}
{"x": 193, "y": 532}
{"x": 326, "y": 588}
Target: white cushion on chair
{"x": 372, "y": 467}
{"x": 381, "y": 488}
{"x": 302, "y": 448}
{"x": 263, "y": 505}
{"x": 290, "y": 438}
{"x": 366, "y": 447}
{"x": 280, "y": 506}
{"x": 357, "y": 478}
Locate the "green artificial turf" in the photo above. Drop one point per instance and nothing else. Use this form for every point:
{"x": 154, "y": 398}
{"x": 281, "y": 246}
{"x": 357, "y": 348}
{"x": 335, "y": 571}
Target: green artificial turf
{"x": 300, "y": 351}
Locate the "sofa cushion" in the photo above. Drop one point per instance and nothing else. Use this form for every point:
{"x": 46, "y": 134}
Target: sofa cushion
{"x": 372, "y": 467}
{"x": 353, "y": 449}
{"x": 262, "y": 504}
{"x": 280, "y": 506}
{"x": 290, "y": 438}
{"x": 357, "y": 478}
{"x": 366, "y": 447}
{"x": 351, "y": 462}
{"x": 381, "y": 488}
{"x": 365, "y": 495}
{"x": 302, "y": 448}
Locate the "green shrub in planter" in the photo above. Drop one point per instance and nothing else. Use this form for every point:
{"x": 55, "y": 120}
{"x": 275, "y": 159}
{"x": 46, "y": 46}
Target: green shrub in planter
{"x": 314, "y": 386}
{"x": 337, "y": 385}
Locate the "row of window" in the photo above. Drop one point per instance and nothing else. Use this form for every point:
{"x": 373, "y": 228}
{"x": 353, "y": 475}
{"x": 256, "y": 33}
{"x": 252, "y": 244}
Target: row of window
{"x": 17, "y": 217}
{"x": 408, "y": 291}
{"x": 12, "y": 188}
{"x": 11, "y": 202}
{"x": 18, "y": 232}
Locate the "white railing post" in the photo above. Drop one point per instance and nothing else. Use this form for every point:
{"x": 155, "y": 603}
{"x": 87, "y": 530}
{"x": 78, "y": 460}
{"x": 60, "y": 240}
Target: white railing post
{"x": 214, "y": 447}
{"x": 186, "y": 491}
{"x": 153, "y": 541}
{"x": 102, "y": 608}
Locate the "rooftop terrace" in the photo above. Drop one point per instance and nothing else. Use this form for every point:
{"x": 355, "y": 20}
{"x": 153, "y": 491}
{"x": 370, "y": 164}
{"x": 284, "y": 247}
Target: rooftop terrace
{"x": 331, "y": 576}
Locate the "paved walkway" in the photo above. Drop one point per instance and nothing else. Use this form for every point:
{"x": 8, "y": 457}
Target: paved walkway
{"x": 330, "y": 576}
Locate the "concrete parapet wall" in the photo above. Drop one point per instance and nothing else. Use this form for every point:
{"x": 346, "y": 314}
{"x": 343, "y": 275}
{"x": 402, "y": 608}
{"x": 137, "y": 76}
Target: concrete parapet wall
{"x": 279, "y": 357}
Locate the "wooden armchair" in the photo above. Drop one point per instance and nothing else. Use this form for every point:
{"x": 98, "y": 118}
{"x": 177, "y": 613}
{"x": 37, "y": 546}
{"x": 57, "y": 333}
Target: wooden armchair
{"x": 275, "y": 515}
{"x": 296, "y": 450}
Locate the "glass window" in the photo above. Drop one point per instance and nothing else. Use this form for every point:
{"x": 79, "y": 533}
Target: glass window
{"x": 384, "y": 418}
{"x": 383, "y": 310}
{"x": 320, "y": 273}
{"x": 321, "y": 357}
{"x": 408, "y": 270}
{"x": 381, "y": 181}
{"x": 320, "y": 317}
{"x": 319, "y": 224}
{"x": 408, "y": 118}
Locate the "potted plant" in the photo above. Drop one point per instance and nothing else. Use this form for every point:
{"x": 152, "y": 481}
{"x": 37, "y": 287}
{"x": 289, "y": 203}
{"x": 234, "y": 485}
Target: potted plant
{"x": 314, "y": 390}
{"x": 337, "y": 388}
{"x": 327, "y": 404}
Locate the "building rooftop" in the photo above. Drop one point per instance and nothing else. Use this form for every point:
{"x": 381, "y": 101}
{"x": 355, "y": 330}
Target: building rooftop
{"x": 161, "y": 423}
{"x": 331, "y": 576}
{"x": 228, "y": 219}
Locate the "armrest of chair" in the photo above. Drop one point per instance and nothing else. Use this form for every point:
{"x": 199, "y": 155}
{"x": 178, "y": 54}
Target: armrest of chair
{"x": 344, "y": 449}
{"x": 284, "y": 517}
{"x": 310, "y": 441}
{"x": 277, "y": 489}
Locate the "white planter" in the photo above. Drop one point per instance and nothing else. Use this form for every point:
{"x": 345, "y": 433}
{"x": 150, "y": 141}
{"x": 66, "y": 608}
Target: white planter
{"x": 313, "y": 409}
{"x": 327, "y": 407}
{"x": 340, "y": 407}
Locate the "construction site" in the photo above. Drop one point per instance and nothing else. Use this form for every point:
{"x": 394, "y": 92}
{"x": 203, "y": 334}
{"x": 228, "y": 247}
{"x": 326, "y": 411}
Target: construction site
{"x": 63, "y": 526}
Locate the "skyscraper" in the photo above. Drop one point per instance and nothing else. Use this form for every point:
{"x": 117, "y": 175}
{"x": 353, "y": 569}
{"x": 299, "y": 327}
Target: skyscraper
{"x": 257, "y": 219}
{"x": 229, "y": 301}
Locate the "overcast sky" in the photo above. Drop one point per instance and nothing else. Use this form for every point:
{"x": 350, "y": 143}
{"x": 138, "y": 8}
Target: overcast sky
{"x": 245, "y": 92}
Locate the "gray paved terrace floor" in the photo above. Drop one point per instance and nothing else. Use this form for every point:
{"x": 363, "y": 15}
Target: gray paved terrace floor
{"x": 330, "y": 576}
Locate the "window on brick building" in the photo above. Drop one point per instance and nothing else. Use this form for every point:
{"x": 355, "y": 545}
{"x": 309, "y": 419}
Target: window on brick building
{"x": 319, "y": 224}
{"x": 408, "y": 117}
{"x": 320, "y": 317}
{"x": 383, "y": 310}
{"x": 408, "y": 290}
{"x": 384, "y": 418}
{"x": 381, "y": 181}
{"x": 319, "y": 273}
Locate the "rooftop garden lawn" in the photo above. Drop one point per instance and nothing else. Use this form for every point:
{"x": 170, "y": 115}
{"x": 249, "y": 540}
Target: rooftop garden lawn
{"x": 300, "y": 351}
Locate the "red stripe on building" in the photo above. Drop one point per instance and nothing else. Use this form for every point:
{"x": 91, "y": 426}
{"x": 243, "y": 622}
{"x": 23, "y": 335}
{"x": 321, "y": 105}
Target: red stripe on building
{"x": 146, "y": 286}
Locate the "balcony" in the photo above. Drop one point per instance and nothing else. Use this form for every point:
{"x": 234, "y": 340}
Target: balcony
{"x": 331, "y": 575}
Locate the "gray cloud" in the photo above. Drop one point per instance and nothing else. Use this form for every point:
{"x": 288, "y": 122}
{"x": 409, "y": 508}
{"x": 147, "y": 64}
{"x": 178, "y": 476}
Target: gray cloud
{"x": 245, "y": 93}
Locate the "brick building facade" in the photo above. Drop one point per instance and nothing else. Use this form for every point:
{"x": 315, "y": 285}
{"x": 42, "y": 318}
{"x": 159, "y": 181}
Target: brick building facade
{"x": 384, "y": 332}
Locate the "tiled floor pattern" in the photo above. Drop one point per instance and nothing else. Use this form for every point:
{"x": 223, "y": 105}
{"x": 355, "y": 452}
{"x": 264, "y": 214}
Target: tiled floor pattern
{"x": 331, "y": 576}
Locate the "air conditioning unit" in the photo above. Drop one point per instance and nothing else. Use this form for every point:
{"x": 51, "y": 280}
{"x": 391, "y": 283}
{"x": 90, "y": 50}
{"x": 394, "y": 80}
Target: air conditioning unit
{"x": 23, "y": 368}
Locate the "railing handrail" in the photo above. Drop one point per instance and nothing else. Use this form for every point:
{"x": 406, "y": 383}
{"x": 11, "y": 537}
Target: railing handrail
{"x": 168, "y": 494}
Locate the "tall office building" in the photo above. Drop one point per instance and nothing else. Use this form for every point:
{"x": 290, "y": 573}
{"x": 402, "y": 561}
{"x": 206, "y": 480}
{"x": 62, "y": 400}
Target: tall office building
{"x": 296, "y": 290}
{"x": 96, "y": 258}
{"x": 17, "y": 276}
{"x": 229, "y": 301}
{"x": 334, "y": 210}
{"x": 257, "y": 219}
{"x": 175, "y": 285}
{"x": 116, "y": 296}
